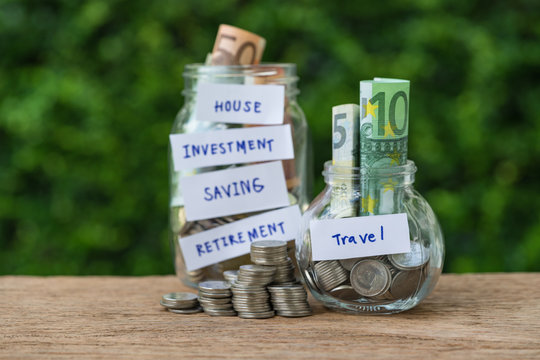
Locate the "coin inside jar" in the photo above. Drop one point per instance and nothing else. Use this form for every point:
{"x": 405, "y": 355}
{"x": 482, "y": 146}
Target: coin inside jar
{"x": 405, "y": 283}
{"x": 370, "y": 278}
{"x": 414, "y": 259}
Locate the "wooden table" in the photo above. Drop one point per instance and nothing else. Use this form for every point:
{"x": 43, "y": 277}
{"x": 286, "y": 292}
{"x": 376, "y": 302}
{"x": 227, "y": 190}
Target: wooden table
{"x": 493, "y": 316}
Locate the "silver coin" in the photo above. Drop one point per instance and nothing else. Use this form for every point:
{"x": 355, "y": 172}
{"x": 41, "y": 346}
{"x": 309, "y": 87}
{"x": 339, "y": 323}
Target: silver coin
{"x": 349, "y": 263}
{"x": 220, "y": 312}
{"x": 330, "y": 274}
{"x": 268, "y": 244}
{"x": 370, "y": 278}
{"x": 180, "y": 296}
{"x": 214, "y": 286}
{"x": 256, "y": 315}
{"x": 344, "y": 292}
{"x": 203, "y": 294}
{"x": 405, "y": 283}
{"x": 414, "y": 259}
{"x": 294, "y": 313}
{"x": 198, "y": 309}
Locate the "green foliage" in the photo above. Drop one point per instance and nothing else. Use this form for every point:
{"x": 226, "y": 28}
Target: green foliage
{"x": 88, "y": 92}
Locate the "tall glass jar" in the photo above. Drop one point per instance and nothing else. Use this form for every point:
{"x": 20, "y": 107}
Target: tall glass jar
{"x": 296, "y": 170}
{"x": 378, "y": 284}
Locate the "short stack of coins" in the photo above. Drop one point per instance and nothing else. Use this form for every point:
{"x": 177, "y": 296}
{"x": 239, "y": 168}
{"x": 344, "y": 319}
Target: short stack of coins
{"x": 250, "y": 296}
{"x": 274, "y": 252}
{"x": 230, "y": 276}
{"x": 181, "y": 303}
{"x": 330, "y": 274}
{"x": 289, "y": 300}
{"x": 215, "y": 298}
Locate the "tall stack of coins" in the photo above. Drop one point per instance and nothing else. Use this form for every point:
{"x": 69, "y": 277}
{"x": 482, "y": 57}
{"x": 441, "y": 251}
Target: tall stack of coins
{"x": 215, "y": 298}
{"x": 274, "y": 252}
{"x": 250, "y": 297}
{"x": 181, "y": 303}
{"x": 289, "y": 300}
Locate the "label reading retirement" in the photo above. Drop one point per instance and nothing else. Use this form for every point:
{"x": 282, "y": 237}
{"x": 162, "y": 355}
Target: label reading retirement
{"x": 354, "y": 237}
{"x": 234, "y": 239}
{"x": 240, "y": 104}
{"x": 234, "y": 146}
{"x": 234, "y": 191}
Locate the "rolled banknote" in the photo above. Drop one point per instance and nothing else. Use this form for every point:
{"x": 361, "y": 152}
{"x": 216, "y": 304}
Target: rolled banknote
{"x": 345, "y": 156}
{"x": 384, "y": 129}
{"x": 235, "y": 46}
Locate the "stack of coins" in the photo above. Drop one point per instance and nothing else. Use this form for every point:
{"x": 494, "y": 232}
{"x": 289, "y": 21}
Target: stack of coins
{"x": 251, "y": 301}
{"x": 260, "y": 275}
{"x": 250, "y": 297}
{"x": 274, "y": 252}
{"x": 290, "y": 300}
{"x": 330, "y": 274}
{"x": 181, "y": 303}
{"x": 268, "y": 252}
{"x": 215, "y": 298}
{"x": 230, "y": 276}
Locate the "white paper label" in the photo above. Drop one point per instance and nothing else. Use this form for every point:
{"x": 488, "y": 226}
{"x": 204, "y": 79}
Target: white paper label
{"x": 234, "y": 146}
{"x": 234, "y": 239}
{"x": 240, "y": 104}
{"x": 234, "y": 191}
{"x": 354, "y": 237}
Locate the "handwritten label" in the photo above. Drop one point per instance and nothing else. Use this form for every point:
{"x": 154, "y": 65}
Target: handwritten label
{"x": 232, "y": 146}
{"x": 354, "y": 237}
{"x": 234, "y": 191}
{"x": 234, "y": 239}
{"x": 240, "y": 104}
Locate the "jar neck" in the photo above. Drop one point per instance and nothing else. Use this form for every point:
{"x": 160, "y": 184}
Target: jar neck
{"x": 401, "y": 176}
{"x": 261, "y": 74}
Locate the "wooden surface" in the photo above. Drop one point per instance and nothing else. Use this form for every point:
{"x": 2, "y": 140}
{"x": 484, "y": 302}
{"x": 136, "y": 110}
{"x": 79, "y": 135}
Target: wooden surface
{"x": 493, "y": 316}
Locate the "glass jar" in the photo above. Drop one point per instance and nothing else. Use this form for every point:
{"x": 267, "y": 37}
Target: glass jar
{"x": 296, "y": 170}
{"x": 383, "y": 284}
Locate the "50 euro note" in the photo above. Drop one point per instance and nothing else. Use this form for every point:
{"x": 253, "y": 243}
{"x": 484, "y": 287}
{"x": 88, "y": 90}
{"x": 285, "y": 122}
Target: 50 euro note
{"x": 235, "y": 46}
{"x": 384, "y": 129}
{"x": 345, "y": 156}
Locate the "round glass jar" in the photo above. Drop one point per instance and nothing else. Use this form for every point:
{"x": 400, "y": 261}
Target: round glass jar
{"x": 378, "y": 284}
{"x": 296, "y": 170}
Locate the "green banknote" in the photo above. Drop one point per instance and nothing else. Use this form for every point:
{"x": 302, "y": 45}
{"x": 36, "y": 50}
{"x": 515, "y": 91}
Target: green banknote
{"x": 384, "y": 129}
{"x": 345, "y": 155}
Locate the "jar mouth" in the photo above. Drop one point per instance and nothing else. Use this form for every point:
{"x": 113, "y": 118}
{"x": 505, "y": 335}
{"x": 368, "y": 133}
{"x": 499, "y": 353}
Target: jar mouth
{"x": 268, "y": 73}
{"x": 404, "y": 174}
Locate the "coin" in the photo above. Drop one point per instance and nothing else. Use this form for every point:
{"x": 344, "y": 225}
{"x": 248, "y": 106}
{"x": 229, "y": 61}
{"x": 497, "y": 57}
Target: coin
{"x": 405, "y": 283}
{"x": 414, "y": 259}
{"x": 370, "y": 278}
{"x": 349, "y": 263}
{"x": 215, "y": 286}
{"x": 256, "y": 315}
{"x": 344, "y": 292}
{"x": 195, "y": 310}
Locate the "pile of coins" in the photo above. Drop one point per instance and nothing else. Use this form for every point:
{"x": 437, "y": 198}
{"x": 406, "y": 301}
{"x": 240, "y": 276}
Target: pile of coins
{"x": 215, "y": 298}
{"x": 181, "y": 303}
{"x": 290, "y": 300}
{"x": 254, "y": 291}
{"x": 386, "y": 277}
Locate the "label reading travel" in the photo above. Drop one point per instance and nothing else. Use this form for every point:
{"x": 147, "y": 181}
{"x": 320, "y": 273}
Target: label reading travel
{"x": 240, "y": 104}
{"x": 234, "y": 239}
{"x": 234, "y": 191}
{"x": 234, "y": 146}
{"x": 354, "y": 237}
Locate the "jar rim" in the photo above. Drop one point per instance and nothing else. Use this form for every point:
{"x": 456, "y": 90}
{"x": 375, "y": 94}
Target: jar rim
{"x": 406, "y": 170}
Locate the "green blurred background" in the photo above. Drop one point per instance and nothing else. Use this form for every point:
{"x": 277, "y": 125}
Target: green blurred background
{"x": 89, "y": 90}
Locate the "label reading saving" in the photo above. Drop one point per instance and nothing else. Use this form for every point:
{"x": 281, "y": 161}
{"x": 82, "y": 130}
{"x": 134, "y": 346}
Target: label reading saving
{"x": 240, "y": 104}
{"x": 234, "y": 191}
{"x": 359, "y": 236}
{"x": 234, "y": 146}
{"x": 234, "y": 239}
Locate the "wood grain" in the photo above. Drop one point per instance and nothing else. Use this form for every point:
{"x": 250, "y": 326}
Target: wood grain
{"x": 494, "y": 316}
